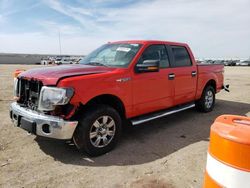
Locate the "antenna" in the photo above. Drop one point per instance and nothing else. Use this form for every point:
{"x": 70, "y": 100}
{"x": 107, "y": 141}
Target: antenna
{"x": 59, "y": 35}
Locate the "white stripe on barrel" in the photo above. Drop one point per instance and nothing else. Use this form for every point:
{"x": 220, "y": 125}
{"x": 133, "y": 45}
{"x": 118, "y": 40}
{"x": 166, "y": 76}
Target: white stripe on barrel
{"x": 227, "y": 176}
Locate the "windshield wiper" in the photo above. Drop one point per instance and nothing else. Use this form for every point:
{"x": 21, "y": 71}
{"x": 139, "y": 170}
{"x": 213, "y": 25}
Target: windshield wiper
{"x": 95, "y": 63}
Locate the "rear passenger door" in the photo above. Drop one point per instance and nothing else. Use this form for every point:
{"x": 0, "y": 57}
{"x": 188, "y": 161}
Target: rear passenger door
{"x": 183, "y": 71}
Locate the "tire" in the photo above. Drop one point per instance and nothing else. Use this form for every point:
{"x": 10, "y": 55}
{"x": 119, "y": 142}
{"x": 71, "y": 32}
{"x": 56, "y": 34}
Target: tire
{"x": 207, "y": 100}
{"x": 98, "y": 130}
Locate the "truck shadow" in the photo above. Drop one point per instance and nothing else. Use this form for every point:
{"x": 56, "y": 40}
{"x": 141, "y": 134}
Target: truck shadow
{"x": 149, "y": 141}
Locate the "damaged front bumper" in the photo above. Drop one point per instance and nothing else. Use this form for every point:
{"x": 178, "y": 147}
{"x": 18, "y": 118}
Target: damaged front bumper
{"x": 41, "y": 124}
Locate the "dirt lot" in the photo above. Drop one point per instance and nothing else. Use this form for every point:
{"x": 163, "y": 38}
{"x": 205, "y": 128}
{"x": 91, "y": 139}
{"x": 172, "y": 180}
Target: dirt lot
{"x": 169, "y": 152}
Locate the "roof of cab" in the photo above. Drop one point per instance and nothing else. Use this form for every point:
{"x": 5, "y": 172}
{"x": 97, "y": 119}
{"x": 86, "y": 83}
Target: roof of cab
{"x": 150, "y": 42}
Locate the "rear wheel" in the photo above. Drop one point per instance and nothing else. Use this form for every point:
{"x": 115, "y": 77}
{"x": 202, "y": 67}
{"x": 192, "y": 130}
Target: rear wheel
{"x": 98, "y": 130}
{"x": 207, "y": 100}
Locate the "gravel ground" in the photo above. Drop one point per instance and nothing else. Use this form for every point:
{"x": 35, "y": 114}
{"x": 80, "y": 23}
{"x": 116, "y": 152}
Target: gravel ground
{"x": 169, "y": 152}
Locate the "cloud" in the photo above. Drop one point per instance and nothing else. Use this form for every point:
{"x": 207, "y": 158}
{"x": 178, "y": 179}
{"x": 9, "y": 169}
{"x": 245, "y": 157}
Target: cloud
{"x": 213, "y": 28}
{"x": 5, "y": 4}
{"x": 53, "y": 28}
{"x": 10, "y": 7}
{"x": 96, "y": 20}
{"x": 2, "y": 19}
{"x": 38, "y": 42}
{"x": 81, "y": 15}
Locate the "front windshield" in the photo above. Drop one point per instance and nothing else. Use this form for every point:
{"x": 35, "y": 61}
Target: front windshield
{"x": 113, "y": 55}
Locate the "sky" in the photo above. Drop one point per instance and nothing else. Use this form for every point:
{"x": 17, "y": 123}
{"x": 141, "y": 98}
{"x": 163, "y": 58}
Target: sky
{"x": 212, "y": 28}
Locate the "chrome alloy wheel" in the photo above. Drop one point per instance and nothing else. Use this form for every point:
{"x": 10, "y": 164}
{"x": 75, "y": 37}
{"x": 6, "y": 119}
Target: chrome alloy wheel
{"x": 102, "y": 131}
{"x": 209, "y": 99}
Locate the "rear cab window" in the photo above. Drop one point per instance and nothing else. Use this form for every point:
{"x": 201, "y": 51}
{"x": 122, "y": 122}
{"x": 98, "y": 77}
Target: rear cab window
{"x": 181, "y": 57}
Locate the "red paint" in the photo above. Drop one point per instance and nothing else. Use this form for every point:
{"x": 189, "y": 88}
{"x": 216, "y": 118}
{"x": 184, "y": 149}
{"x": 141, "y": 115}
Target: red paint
{"x": 51, "y": 75}
{"x": 144, "y": 93}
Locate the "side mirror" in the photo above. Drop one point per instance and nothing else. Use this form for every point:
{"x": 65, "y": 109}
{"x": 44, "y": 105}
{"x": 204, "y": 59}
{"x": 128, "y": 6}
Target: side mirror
{"x": 148, "y": 66}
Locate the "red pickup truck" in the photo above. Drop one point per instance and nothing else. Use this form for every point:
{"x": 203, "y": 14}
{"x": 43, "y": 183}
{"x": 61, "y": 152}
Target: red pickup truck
{"x": 126, "y": 81}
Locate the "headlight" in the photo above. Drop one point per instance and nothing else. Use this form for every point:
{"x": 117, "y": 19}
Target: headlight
{"x": 52, "y": 96}
{"x": 15, "y": 87}
{"x": 16, "y": 90}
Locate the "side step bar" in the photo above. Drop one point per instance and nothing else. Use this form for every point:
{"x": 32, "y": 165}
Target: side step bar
{"x": 145, "y": 118}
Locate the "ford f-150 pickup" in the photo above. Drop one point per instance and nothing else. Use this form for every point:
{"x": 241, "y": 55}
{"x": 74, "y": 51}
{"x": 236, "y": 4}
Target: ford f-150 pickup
{"x": 120, "y": 82}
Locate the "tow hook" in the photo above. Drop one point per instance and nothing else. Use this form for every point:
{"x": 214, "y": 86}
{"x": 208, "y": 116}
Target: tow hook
{"x": 226, "y": 87}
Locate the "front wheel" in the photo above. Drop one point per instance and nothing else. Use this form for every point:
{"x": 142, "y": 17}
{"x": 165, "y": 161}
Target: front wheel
{"x": 98, "y": 130}
{"x": 207, "y": 100}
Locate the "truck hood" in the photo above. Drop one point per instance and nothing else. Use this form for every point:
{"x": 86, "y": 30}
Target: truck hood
{"x": 51, "y": 75}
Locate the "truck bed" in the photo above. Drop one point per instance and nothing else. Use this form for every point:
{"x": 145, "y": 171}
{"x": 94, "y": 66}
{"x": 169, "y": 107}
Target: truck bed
{"x": 212, "y": 71}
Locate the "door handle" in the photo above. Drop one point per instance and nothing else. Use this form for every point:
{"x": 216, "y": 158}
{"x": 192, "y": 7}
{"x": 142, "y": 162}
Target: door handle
{"x": 171, "y": 76}
{"x": 193, "y": 74}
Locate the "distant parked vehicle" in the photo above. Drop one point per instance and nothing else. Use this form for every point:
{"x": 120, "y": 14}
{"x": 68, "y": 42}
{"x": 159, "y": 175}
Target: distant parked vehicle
{"x": 218, "y": 62}
{"x": 46, "y": 61}
{"x": 230, "y": 63}
{"x": 210, "y": 61}
{"x": 76, "y": 61}
{"x": 58, "y": 60}
{"x": 237, "y": 62}
{"x": 63, "y": 60}
{"x": 245, "y": 63}
{"x": 43, "y": 61}
{"x": 67, "y": 61}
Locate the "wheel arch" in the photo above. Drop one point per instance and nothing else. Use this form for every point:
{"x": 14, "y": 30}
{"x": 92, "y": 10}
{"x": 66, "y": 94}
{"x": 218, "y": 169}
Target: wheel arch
{"x": 201, "y": 102}
{"x": 212, "y": 83}
{"x": 200, "y": 90}
{"x": 110, "y": 100}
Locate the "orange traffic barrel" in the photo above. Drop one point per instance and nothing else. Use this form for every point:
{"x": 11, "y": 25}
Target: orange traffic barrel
{"x": 17, "y": 72}
{"x": 228, "y": 158}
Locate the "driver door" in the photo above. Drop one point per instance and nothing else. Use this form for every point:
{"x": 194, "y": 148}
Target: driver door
{"x": 153, "y": 91}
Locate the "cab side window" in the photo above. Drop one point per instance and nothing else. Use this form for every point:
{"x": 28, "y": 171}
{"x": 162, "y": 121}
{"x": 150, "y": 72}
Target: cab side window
{"x": 181, "y": 57}
{"x": 156, "y": 52}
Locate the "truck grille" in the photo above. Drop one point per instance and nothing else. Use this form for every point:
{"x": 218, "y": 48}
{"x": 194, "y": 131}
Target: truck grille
{"x": 28, "y": 92}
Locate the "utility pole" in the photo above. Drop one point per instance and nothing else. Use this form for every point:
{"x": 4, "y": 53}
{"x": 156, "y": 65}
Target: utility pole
{"x": 59, "y": 35}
